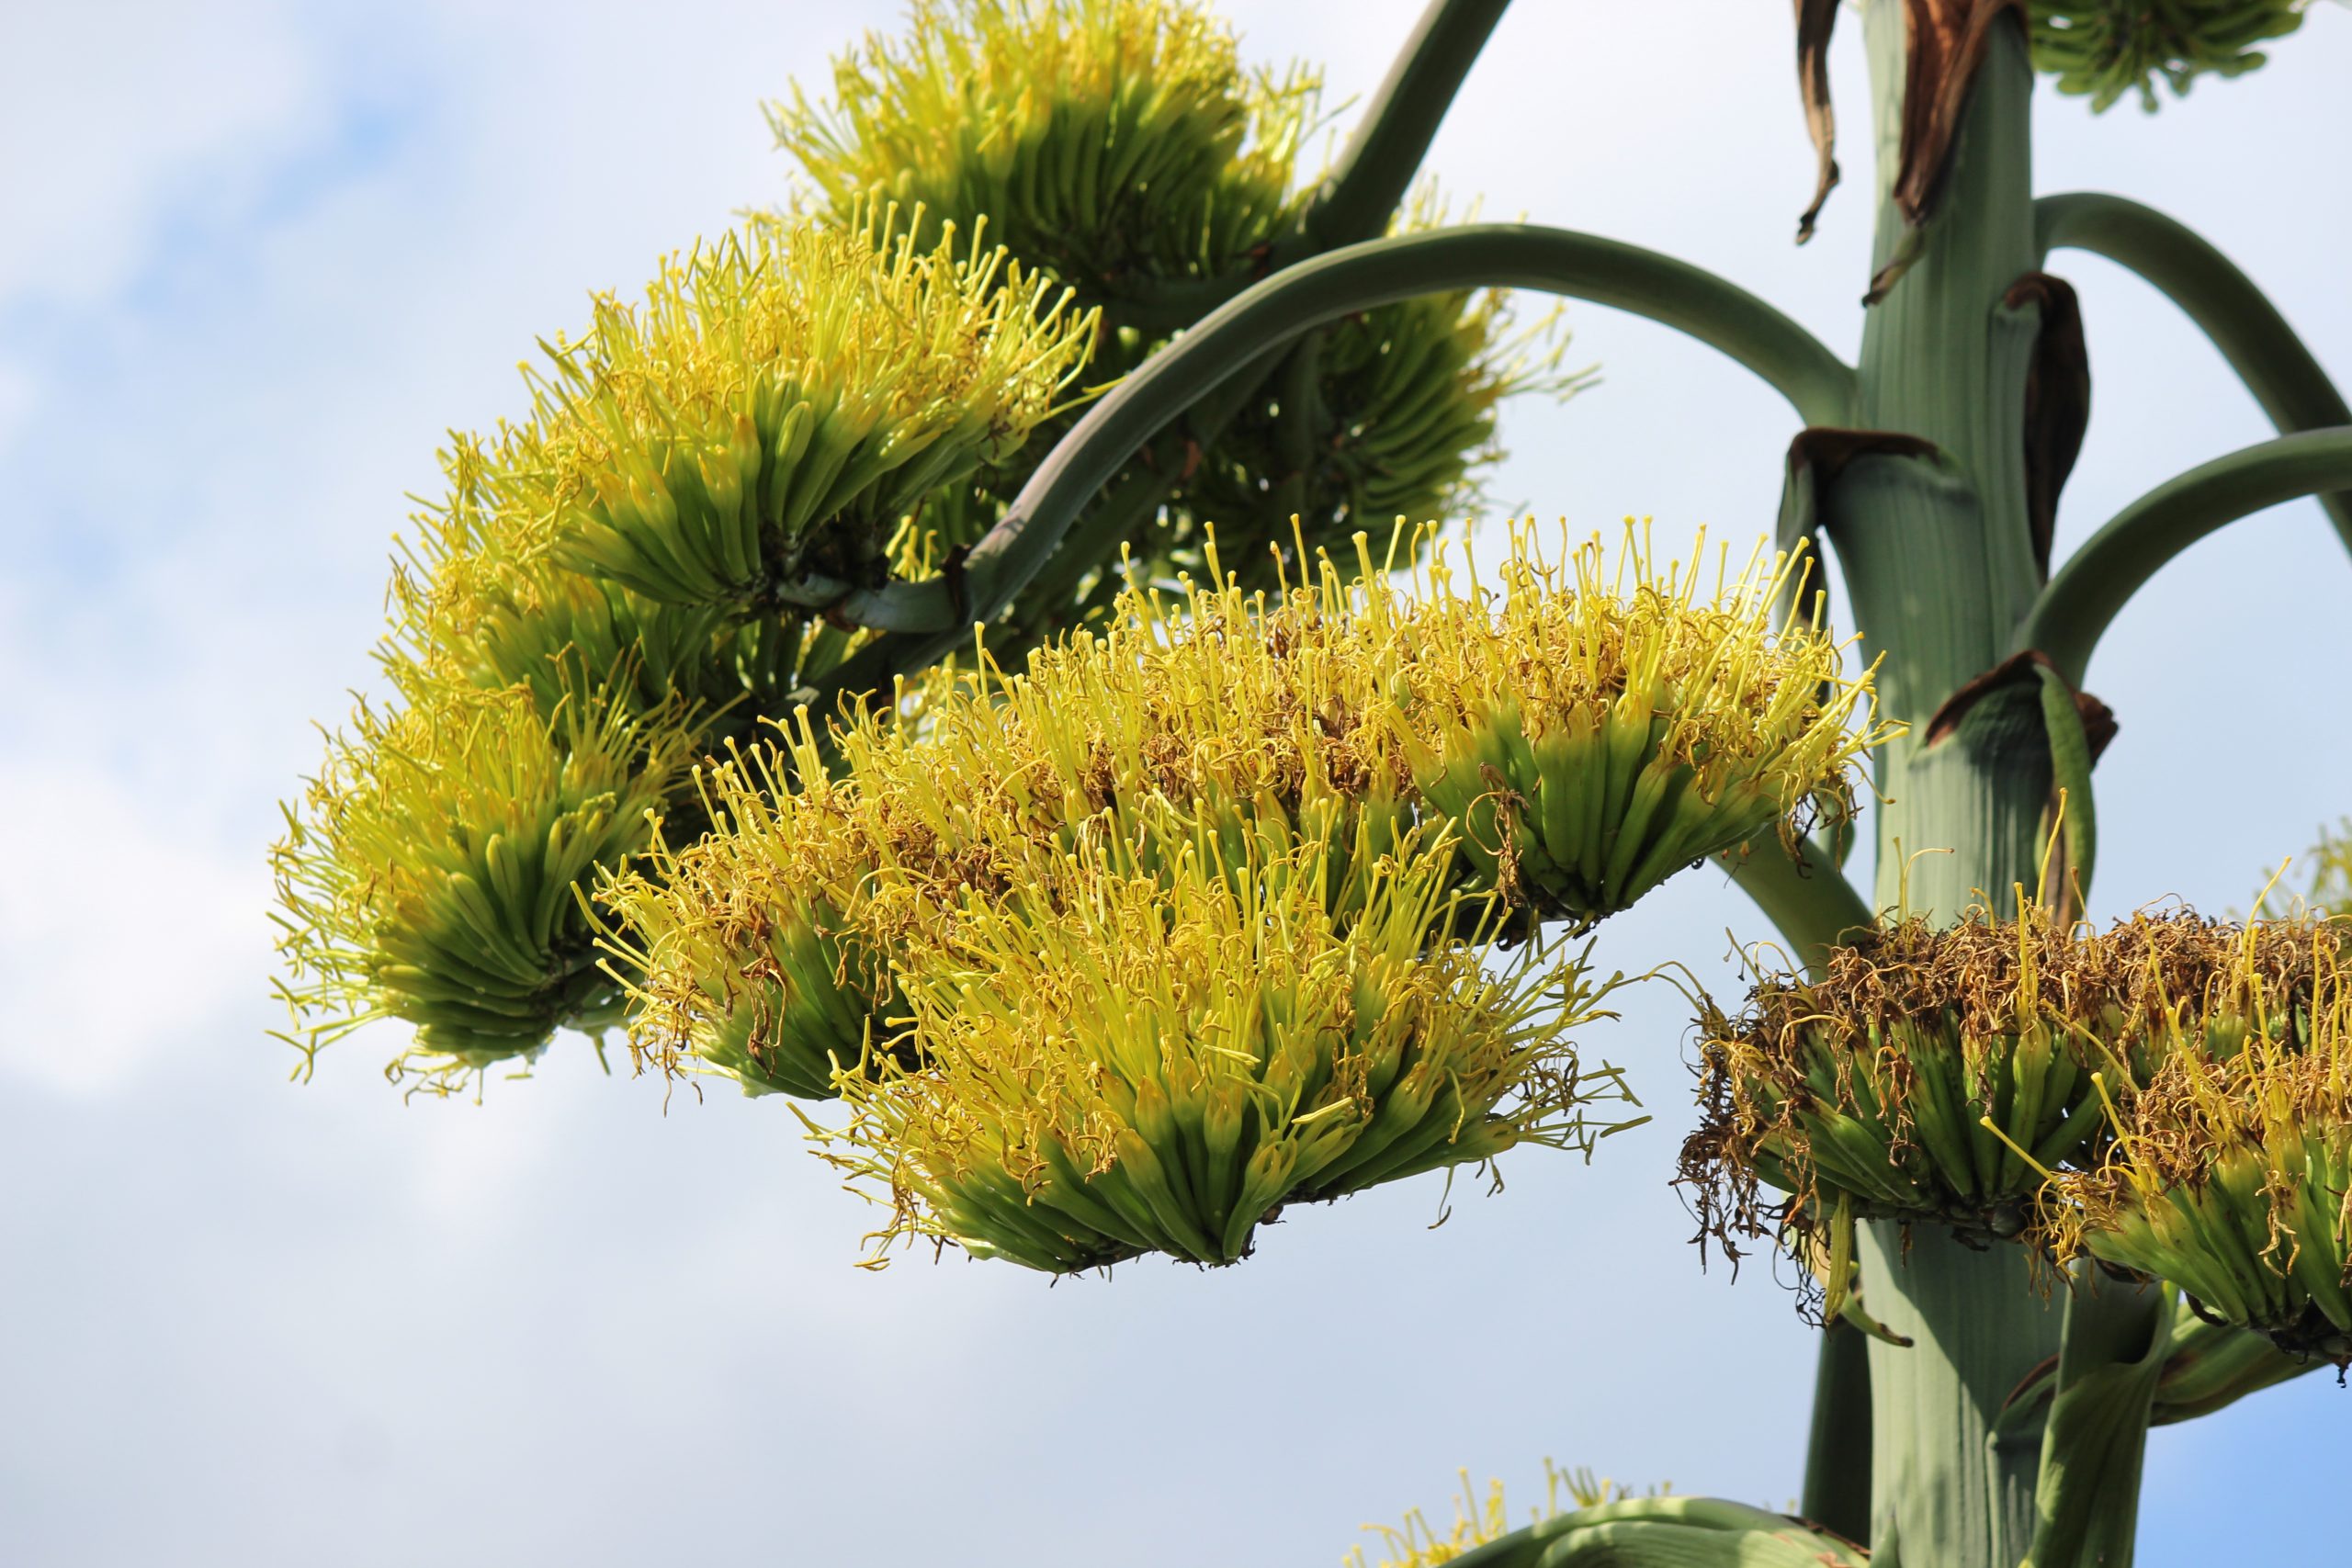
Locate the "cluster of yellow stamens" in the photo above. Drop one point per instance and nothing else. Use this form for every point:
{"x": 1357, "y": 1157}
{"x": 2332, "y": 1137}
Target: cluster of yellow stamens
{"x": 1249, "y": 851}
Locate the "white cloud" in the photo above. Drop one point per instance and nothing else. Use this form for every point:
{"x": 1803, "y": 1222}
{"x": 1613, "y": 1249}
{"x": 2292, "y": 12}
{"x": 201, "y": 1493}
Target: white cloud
{"x": 18, "y": 390}
{"x": 115, "y": 119}
{"x": 121, "y": 929}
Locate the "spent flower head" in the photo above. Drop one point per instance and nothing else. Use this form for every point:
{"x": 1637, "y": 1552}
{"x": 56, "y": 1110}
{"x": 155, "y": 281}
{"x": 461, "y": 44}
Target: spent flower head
{"x": 1940, "y": 1075}
{"x": 2230, "y": 1172}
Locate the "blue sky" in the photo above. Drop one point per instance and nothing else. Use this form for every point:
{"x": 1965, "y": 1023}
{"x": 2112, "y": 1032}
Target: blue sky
{"x": 258, "y": 259}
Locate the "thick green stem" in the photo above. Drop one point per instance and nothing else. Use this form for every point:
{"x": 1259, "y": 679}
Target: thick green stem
{"x": 1837, "y": 1449}
{"x": 1940, "y": 564}
{"x": 2111, "y": 1361}
{"x": 1939, "y": 554}
{"x": 2069, "y": 617}
{"x": 2244, "y": 325}
{"x": 1948, "y": 1492}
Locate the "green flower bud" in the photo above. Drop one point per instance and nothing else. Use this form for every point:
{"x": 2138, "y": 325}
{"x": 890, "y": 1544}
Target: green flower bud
{"x": 2106, "y": 47}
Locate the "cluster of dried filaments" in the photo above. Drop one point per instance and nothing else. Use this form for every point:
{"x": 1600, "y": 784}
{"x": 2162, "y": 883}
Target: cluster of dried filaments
{"x": 2166, "y": 1095}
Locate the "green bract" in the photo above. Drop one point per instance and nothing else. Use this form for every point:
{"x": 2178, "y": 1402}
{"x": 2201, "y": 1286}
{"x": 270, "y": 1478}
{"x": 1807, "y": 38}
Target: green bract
{"x": 2107, "y": 48}
{"x": 429, "y": 873}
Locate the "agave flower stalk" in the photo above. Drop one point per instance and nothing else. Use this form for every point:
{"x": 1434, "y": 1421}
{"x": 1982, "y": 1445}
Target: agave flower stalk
{"x": 1102, "y": 968}
{"x": 1146, "y": 1046}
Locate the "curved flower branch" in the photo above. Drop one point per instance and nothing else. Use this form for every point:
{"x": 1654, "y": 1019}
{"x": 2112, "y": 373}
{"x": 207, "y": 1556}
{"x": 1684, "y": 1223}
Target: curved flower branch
{"x": 2098, "y": 580}
{"x": 939, "y": 614}
{"x": 2225, "y": 303}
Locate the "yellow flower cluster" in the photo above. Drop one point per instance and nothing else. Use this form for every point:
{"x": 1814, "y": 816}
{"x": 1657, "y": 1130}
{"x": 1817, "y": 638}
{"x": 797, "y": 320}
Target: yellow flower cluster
{"x": 430, "y": 875}
{"x": 2230, "y": 1174}
{"x": 606, "y": 588}
{"x": 1113, "y": 142}
{"x": 777, "y": 405}
{"x": 1121, "y": 146}
{"x": 1240, "y": 867}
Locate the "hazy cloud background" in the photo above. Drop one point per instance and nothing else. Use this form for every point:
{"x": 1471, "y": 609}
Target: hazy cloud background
{"x": 256, "y": 258}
